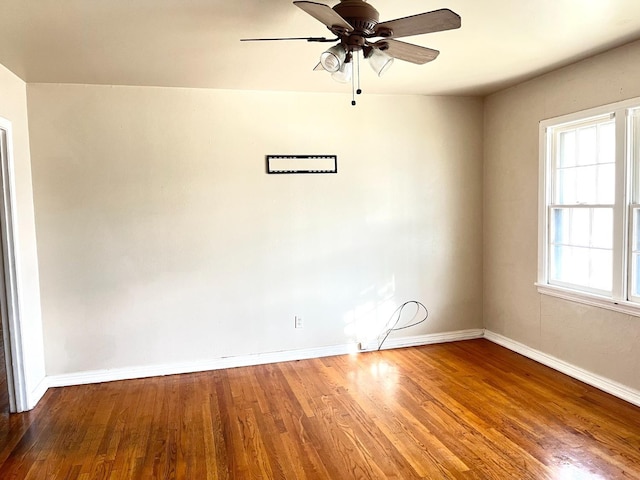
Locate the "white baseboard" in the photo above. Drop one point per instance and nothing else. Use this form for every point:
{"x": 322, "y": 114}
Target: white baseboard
{"x": 428, "y": 339}
{"x": 110, "y": 375}
{"x": 128, "y": 373}
{"x": 37, "y": 393}
{"x": 614, "y": 388}
{"x": 98, "y": 376}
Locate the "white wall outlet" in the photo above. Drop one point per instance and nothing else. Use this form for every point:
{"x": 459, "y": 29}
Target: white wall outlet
{"x": 298, "y": 322}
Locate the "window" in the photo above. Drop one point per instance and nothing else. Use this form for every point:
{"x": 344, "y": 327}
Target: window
{"x": 589, "y": 217}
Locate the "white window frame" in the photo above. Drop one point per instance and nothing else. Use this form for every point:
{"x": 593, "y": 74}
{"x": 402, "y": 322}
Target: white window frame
{"x": 618, "y": 300}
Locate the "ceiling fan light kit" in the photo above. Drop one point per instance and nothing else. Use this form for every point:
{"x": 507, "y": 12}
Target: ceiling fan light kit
{"x": 333, "y": 58}
{"x": 354, "y": 22}
{"x": 380, "y": 62}
{"x": 345, "y": 74}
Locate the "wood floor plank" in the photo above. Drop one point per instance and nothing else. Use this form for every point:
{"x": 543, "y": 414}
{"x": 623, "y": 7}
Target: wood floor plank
{"x": 466, "y": 410}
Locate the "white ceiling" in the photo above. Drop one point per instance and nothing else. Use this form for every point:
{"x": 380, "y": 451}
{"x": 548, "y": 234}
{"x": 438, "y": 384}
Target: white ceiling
{"x": 195, "y": 43}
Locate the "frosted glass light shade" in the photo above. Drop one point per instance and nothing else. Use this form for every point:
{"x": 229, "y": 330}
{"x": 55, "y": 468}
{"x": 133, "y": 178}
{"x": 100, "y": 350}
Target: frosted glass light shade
{"x": 344, "y": 74}
{"x": 333, "y": 59}
{"x": 380, "y": 61}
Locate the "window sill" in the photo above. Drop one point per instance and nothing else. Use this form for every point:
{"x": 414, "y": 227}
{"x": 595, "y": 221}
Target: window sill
{"x": 621, "y": 306}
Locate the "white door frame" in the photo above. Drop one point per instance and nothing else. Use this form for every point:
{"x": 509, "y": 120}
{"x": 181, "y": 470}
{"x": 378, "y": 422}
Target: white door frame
{"x": 9, "y": 291}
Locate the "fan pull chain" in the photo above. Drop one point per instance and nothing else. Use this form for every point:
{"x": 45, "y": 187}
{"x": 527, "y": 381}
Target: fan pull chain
{"x": 353, "y": 83}
{"x": 355, "y": 71}
{"x": 358, "y": 91}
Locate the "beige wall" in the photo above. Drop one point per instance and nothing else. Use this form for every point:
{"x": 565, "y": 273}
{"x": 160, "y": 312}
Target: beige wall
{"x": 597, "y": 340}
{"x": 13, "y": 107}
{"x": 162, "y": 240}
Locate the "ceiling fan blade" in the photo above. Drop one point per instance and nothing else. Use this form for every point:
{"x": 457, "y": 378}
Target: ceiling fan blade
{"x": 406, "y": 51}
{"x": 436, "y": 21}
{"x": 308, "y": 39}
{"x": 324, "y": 14}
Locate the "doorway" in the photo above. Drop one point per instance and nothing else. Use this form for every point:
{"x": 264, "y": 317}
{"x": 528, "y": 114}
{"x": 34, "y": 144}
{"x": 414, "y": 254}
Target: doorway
{"x": 9, "y": 316}
{"x": 4, "y": 384}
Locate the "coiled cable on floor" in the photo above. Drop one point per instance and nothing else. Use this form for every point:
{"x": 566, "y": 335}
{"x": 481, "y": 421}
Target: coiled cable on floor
{"x": 392, "y": 326}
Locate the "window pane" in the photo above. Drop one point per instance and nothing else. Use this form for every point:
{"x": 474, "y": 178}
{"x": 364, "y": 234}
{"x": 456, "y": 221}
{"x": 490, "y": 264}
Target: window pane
{"x": 602, "y": 228}
{"x": 585, "y": 167}
{"x": 578, "y": 273}
{"x": 635, "y": 253}
{"x": 566, "y": 187}
{"x": 567, "y": 149}
{"x": 581, "y": 247}
{"x": 579, "y": 227}
{"x": 586, "y": 184}
{"x": 635, "y": 153}
{"x": 606, "y": 184}
{"x": 600, "y": 271}
{"x": 587, "y": 267}
{"x": 587, "y": 145}
{"x": 636, "y": 230}
{"x": 562, "y": 264}
{"x": 635, "y": 285}
{"x": 607, "y": 143}
{"x": 560, "y": 226}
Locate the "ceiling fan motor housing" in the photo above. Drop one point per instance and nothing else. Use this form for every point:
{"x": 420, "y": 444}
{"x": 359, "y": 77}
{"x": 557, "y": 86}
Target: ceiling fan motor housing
{"x": 360, "y": 15}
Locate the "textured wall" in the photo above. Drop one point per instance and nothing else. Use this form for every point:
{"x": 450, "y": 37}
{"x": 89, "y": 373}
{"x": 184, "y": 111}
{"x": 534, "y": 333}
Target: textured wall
{"x": 162, "y": 240}
{"x": 600, "y": 341}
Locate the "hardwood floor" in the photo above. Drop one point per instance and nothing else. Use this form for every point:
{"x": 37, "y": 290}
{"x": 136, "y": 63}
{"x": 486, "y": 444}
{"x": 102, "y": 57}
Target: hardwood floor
{"x": 467, "y": 410}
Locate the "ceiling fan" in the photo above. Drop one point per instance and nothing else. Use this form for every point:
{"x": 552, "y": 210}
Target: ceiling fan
{"x": 355, "y": 22}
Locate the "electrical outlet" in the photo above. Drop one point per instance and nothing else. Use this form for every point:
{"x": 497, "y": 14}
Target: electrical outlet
{"x": 298, "y": 322}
